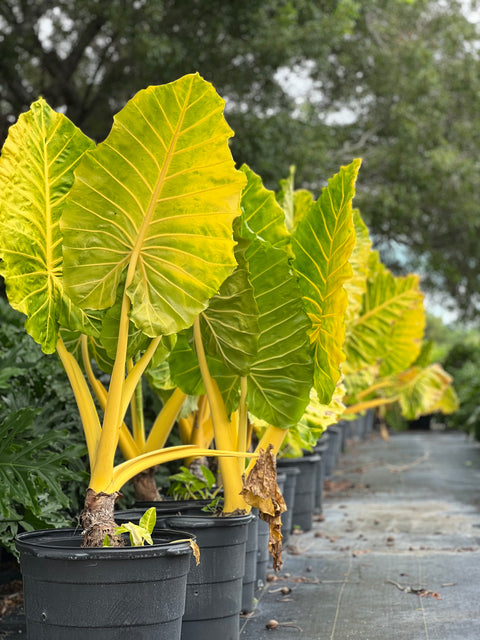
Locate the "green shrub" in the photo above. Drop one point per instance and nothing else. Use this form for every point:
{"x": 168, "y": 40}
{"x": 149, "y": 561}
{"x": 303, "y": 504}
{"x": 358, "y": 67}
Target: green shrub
{"x": 42, "y": 453}
{"x": 463, "y": 364}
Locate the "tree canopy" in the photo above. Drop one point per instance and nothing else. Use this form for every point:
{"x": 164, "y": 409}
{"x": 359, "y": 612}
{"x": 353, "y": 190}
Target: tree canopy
{"x": 89, "y": 56}
{"x": 396, "y": 82}
{"x": 411, "y": 74}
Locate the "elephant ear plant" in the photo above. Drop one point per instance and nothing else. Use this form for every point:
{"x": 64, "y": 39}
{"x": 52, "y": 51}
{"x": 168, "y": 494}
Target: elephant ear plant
{"x": 126, "y": 241}
{"x": 385, "y": 325}
{"x": 285, "y": 306}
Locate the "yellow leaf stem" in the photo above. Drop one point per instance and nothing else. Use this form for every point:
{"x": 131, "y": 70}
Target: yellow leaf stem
{"x": 274, "y": 436}
{"x": 370, "y": 404}
{"x": 203, "y": 437}
{"x": 234, "y": 430}
{"x": 127, "y": 444}
{"x": 202, "y": 430}
{"x": 134, "y": 376}
{"x": 164, "y": 422}
{"x": 242, "y": 421}
{"x": 115, "y": 409}
{"x": 125, "y": 471}
{"x": 83, "y": 397}
{"x": 232, "y": 481}
{"x": 136, "y": 411}
{"x": 381, "y": 384}
{"x": 185, "y": 428}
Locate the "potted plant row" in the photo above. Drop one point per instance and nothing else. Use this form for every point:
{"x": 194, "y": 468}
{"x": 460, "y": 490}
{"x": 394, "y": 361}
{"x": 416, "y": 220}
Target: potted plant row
{"x": 112, "y": 250}
{"x": 151, "y": 255}
{"x": 125, "y": 256}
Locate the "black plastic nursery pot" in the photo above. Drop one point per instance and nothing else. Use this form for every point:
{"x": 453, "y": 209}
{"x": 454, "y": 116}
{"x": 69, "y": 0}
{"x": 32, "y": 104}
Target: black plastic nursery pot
{"x": 169, "y": 505}
{"x": 288, "y": 493}
{"x": 360, "y": 427}
{"x": 214, "y": 587}
{"x": 344, "y": 426}
{"x": 250, "y": 576}
{"x": 110, "y": 593}
{"x": 320, "y": 449}
{"x": 369, "y": 421}
{"x": 262, "y": 552}
{"x": 194, "y": 507}
{"x": 305, "y": 488}
{"x": 333, "y": 450}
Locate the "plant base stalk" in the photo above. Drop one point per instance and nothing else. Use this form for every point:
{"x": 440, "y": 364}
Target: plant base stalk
{"x": 145, "y": 486}
{"x": 97, "y": 519}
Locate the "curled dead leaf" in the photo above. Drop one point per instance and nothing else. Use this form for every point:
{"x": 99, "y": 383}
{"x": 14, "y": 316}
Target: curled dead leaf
{"x": 196, "y": 551}
{"x": 260, "y": 490}
{"x": 194, "y": 546}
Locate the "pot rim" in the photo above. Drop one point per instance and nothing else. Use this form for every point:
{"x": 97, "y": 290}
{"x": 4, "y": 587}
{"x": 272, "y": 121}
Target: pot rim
{"x": 65, "y": 543}
{"x": 200, "y": 521}
{"x": 310, "y": 457}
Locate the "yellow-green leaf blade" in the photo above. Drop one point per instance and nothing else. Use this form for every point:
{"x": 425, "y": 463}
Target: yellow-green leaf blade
{"x": 261, "y": 212}
{"x": 389, "y": 330}
{"x": 161, "y": 193}
{"x": 322, "y": 243}
{"x": 294, "y": 202}
{"x": 36, "y": 173}
{"x": 357, "y": 285}
{"x": 421, "y": 390}
{"x": 280, "y": 377}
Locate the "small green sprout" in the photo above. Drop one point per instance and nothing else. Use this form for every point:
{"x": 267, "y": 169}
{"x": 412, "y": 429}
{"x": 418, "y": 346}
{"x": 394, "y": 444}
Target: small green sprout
{"x": 139, "y": 533}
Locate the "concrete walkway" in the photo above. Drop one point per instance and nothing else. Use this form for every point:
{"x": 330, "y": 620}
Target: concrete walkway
{"x": 397, "y": 555}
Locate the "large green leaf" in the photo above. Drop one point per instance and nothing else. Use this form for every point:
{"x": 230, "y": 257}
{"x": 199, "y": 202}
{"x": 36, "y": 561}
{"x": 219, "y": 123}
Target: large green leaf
{"x": 36, "y": 173}
{"x": 261, "y": 212}
{"x": 183, "y": 365}
{"x": 156, "y": 199}
{"x": 229, "y": 330}
{"x": 322, "y": 243}
{"x": 230, "y": 324}
{"x": 389, "y": 330}
{"x": 280, "y": 373}
{"x": 281, "y": 376}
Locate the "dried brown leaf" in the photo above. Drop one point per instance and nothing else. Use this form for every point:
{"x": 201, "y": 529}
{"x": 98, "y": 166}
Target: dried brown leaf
{"x": 260, "y": 490}
{"x": 196, "y": 551}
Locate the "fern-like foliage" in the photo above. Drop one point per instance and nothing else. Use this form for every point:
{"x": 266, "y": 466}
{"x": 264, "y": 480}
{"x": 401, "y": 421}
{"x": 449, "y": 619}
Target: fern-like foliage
{"x": 34, "y": 455}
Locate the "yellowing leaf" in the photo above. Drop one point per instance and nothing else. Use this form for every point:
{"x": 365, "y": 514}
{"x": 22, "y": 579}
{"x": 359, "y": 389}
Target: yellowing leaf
{"x": 138, "y": 535}
{"x": 423, "y": 390}
{"x": 156, "y": 200}
{"x": 261, "y": 491}
{"x": 36, "y": 172}
{"x": 196, "y": 551}
{"x": 194, "y": 547}
{"x": 148, "y": 520}
{"x": 357, "y": 285}
{"x": 322, "y": 243}
{"x": 389, "y": 329}
{"x": 262, "y": 213}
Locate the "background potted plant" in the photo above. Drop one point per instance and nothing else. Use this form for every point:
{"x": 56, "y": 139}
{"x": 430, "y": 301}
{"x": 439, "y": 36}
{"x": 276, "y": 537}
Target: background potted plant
{"x": 387, "y": 361}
